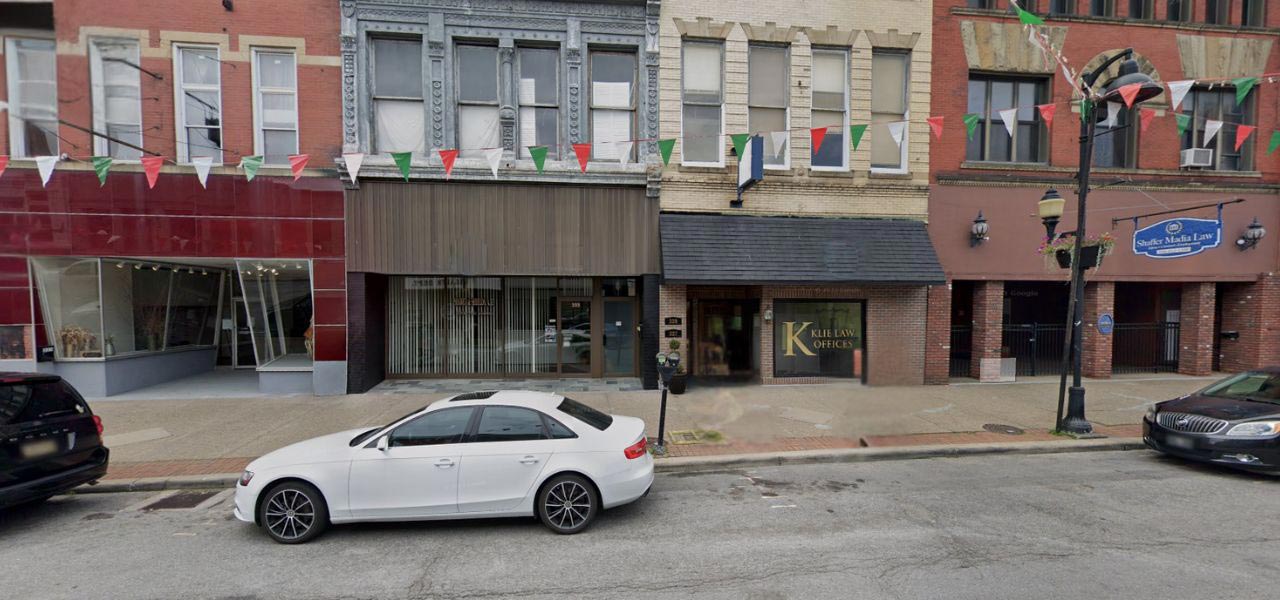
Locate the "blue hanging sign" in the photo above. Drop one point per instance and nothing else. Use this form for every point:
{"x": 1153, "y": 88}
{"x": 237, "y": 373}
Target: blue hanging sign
{"x": 1177, "y": 238}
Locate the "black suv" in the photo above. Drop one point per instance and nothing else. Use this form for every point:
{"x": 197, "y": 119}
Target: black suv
{"x": 50, "y": 441}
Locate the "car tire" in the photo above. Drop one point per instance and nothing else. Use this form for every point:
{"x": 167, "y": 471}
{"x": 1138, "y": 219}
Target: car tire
{"x": 293, "y": 512}
{"x": 567, "y": 504}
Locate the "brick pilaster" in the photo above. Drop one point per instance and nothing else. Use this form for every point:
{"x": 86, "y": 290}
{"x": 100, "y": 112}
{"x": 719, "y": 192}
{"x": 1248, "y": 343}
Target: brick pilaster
{"x": 1095, "y": 357}
{"x": 937, "y": 354}
{"x": 988, "y": 327}
{"x": 1252, "y": 311}
{"x": 673, "y": 302}
{"x": 1195, "y": 331}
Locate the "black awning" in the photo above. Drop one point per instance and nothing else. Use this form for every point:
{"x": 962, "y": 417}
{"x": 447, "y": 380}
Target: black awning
{"x": 721, "y": 249}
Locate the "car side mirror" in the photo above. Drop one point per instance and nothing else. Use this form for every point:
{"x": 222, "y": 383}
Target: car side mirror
{"x": 384, "y": 443}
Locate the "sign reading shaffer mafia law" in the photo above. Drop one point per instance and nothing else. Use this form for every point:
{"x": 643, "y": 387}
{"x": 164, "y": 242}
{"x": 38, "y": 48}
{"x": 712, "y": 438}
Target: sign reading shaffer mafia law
{"x": 1176, "y": 238}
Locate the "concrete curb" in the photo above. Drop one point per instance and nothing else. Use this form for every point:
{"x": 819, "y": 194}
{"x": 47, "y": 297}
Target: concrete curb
{"x": 693, "y": 464}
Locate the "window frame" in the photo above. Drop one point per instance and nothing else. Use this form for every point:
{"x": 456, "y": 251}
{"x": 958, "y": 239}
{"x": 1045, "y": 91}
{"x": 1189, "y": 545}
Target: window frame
{"x": 633, "y": 109}
{"x": 259, "y": 128}
{"x": 522, "y": 147}
{"x": 903, "y": 166}
{"x": 1257, "y": 5}
{"x": 1185, "y": 7}
{"x": 1108, "y": 8}
{"x": 720, "y": 150}
{"x": 1070, "y": 9}
{"x": 1133, "y": 140}
{"x": 98, "y": 97}
{"x": 1223, "y": 16}
{"x": 458, "y": 102}
{"x": 983, "y": 4}
{"x": 1148, "y": 7}
{"x": 786, "y": 99}
{"x": 180, "y": 106}
{"x": 844, "y": 152}
{"x": 988, "y": 119}
{"x": 17, "y": 139}
{"x": 1248, "y": 158}
{"x": 374, "y": 97}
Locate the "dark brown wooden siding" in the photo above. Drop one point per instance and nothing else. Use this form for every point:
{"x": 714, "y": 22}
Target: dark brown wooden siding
{"x": 482, "y": 229}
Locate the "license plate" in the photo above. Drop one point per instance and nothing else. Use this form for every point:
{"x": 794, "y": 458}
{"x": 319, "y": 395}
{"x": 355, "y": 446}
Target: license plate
{"x": 39, "y": 448}
{"x": 1178, "y": 441}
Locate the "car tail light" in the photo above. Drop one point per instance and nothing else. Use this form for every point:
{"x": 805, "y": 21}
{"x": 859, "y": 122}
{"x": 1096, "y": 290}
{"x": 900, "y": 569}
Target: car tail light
{"x": 637, "y": 449}
{"x": 97, "y": 422}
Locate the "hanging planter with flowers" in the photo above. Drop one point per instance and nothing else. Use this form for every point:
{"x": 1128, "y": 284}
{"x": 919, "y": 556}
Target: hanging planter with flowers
{"x": 1091, "y": 251}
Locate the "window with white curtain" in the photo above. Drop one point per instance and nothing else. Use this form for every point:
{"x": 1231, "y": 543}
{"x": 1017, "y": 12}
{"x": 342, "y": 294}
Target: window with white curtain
{"x": 767, "y": 98}
{"x": 116, "y": 90}
{"x": 888, "y": 105}
{"x": 703, "y": 99}
{"x": 33, "y": 97}
{"x": 399, "y": 112}
{"x": 198, "y": 88}
{"x": 830, "y": 106}
{"x": 275, "y": 89}
{"x": 539, "y": 96}
{"x": 613, "y": 102}
{"x": 477, "y": 91}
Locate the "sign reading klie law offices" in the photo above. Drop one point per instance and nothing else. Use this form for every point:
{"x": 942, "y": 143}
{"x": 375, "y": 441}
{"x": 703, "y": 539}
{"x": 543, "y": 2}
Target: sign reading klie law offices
{"x": 817, "y": 339}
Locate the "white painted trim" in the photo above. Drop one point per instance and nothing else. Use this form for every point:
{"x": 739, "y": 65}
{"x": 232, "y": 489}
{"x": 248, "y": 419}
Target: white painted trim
{"x": 97, "y": 101}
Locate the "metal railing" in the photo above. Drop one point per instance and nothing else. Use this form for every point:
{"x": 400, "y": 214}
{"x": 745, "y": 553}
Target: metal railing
{"x": 1037, "y": 346}
{"x": 1145, "y": 348}
{"x": 961, "y": 350}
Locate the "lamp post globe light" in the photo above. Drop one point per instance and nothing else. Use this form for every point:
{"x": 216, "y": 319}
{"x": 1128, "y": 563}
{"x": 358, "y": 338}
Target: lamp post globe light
{"x": 1050, "y": 210}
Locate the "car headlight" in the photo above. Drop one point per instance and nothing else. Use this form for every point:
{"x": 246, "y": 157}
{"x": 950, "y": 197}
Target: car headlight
{"x": 1151, "y": 413}
{"x": 1255, "y": 429}
{"x": 246, "y": 477}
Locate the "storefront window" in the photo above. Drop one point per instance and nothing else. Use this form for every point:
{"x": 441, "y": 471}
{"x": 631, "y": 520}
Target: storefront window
{"x": 278, "y": 298}
{"x": 193, "y": 308}
{"x": 530, "y": 312}
{"x": 69, "y": 293}
{"x": 473, "y": 324}
{"x": 135, "y": 306}
{"x": 817, "y": 339}
{"x": 14, "y": 342}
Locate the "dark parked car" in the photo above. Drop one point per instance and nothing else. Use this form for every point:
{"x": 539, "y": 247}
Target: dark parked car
{"x": 1234, "y": 422}
{"x": 50, "y": 441}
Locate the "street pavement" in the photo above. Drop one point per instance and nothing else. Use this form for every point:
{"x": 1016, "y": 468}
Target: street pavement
{"x": 1087, "y": 525}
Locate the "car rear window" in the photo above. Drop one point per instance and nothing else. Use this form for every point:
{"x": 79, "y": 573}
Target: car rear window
{"x": 22, "y": 403}
{"x": 586, "y": 414}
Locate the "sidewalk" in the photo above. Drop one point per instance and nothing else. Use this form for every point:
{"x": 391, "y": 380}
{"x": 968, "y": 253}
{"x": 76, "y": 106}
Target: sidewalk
{"x": 188, "y": 437}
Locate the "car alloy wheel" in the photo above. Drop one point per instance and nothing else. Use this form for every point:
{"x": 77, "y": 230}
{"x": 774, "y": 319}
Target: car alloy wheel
{"x": 293, "y": 513}
{"x": 567, "y": 504}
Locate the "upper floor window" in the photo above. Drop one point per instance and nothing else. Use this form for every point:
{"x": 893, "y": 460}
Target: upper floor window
{"x": 1219, "y": 104}
{"x": 33, "y": 97}
{"x": 539, "y": 96}
{"x": 1217, "y": 12}
{"x": 399, "y": 112}
{"x": 1179, "y": 10}
{"x": 613, "y": 102}
{"x": 831, "y": 106}
{"x": 1142, "y": 9}
{"x": 703, "y": 99}
{"x": 888, "y": 105}
{"x": 275, "y": 89}
{"x": 115, "y": 85}
{"x": 1102, "y": 8}
{"x": 199, "y": 102}
{"x": 1253, "y": 13}
{"x": 1062, "y": 7}
{"x": 477, "y": 77}
{"x": 767, "y": 98}
{"x": 982, "y": 3}
{"x": 1117, "y": 146}
{"x": 991, "y": 141}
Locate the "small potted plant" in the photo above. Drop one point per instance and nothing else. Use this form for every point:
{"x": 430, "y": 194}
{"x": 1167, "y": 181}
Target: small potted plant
{"x": 1092, "y": 250}
{"x": 681, "y": 377}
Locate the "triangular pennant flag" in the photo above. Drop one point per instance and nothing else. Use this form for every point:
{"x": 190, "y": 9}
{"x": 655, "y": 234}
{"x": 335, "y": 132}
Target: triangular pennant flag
{"x": 624, "y": 151}
{"x": 4, "y": 163}
{"x": 250, "y": 165}
{"x": 1242, "y": 133}
{"x": 151, "y": 166}
{"x": 935, "y": 123}
{"x": 46, "y": 164}
{"x": 1184, "y": 121}
{"x": 1211, "y": 129}
{"x": 1271, "y": 147}
{"x": 446, "y": 158}
{"x": 354, "y": 160}
{"x": 1028, "y": 18}
{"x": 896, "y": 130}
{"x": 584, "y": 154}
{"x": 855, "y": 134}
{"x": 1046, "y": 113}
{"x": 1113, "y": 114}
{"x": 494, "y": 157}
{"x": 1129, "y": 93}
{"x": 539, "y": 155}
{"x": 404, "y": 160}
{"x": 664, "y": 148}
{"x": 779, "y": 139}
{"x": 1178, "y": 90}
{"x": 739, "y": 142}
{"x": 816, "y": 135}
{"x": 1010, "y": 118}
{"x": 202, "y": 165}
{"x": 102, "y": 165}
{"x": 4, "y": 106}
{"x": 298, "y": 162}
{"x": 971, "y": 124}
{"x": 1145, "y": 115}
{"x": 1243, "y": 85}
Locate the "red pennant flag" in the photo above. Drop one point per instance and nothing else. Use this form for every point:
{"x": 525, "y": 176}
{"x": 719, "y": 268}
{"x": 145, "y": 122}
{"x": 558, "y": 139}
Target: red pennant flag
{"x": 584, "y": 154}
{"x": 815, "y": 138}
{"x": 4, "y": 163}
{"x": 1046, "y": 113}
{"x": 151, "y": 166}
{"x": 935, "y": 123}
{"x": 298, "y": 162}
{"x": 447, "y": 157}
{"x": 1145, "y": 116}
{"x": 1129, "y": 92}
{"x": 1242, "y": 133}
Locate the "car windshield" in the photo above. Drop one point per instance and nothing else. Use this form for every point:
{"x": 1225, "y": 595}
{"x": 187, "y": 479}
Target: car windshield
{"x": 586, "y": 414}
{"x": 1260, "y": 387}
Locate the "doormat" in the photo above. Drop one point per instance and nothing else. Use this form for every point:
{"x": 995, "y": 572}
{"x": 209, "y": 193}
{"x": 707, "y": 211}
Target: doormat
{"x": 695, "y": 436}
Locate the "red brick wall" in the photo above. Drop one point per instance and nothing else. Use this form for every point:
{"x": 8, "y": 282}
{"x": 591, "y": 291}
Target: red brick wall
{"x": 937, "y": 352}
{"x": 1252, "y": 310}
{"x": 988, "y": 324}
{"x": 1095, "y": 357}
{"x": 1195, "y": 330}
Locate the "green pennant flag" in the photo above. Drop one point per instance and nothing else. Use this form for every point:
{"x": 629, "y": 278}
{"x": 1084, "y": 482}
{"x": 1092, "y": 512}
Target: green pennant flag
{"x": 855, "y": 134}
{"x": 971, "y": 124}
{"x": 539, "y": 154}
{"x": 1028, "y": 18}
{"x": 1275, "y": 142}
{"x": 102, "y": 164}
{"x": 250, "y": 165}
{"x": 1184, "y": 121}
{"x": 665, "y": 147}
{"x": 403, "y": 160}
{"x": 740, "y": 142}
{"x": 1243, "y": 85}
{"x": 1084, "y": 110}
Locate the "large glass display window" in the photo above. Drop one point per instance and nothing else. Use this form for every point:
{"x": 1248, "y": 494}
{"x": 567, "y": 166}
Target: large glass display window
{"x": 278, "y": 300}
{"x": 818, "y": 338}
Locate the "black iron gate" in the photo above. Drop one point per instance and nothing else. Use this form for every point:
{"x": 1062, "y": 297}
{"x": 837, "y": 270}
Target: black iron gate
{"x": 1036, "y": 346}
{"x": 961, "y": 350}
{"x": 1145, "y": 348}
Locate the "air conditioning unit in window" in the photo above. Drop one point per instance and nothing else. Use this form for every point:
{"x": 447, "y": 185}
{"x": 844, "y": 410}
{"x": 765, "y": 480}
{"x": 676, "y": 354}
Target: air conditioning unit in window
{"x": 1197, "y": 157}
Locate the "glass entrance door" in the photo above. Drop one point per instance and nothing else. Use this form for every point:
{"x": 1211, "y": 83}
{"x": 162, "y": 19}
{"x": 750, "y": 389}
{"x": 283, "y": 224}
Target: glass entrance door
{"x": 575, "y": 336}
{"x": 620, "y": 337}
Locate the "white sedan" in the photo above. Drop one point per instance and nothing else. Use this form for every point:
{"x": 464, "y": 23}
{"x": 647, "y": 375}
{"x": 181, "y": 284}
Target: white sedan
{"x": 480, "y": 454}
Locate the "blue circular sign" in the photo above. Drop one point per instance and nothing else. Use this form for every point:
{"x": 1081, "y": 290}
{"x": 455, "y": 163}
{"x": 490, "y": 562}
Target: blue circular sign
{"x": 1106, "y": 323}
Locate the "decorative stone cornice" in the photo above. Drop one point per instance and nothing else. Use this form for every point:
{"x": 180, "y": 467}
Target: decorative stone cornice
{"x": 704, "y": 27}
{"x": 893, "y": 39}
{"x": 770, "y": 32}
{"x": 831, "y": 36}
{"x": 1205, "y": 57}
{"x": 1004, "y": 47}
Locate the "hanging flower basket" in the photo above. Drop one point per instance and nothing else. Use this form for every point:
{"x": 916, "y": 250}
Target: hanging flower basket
{"x": 1091, "y": 252}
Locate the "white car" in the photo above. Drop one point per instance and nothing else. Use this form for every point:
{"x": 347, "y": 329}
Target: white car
{"x": 480, "y": 454}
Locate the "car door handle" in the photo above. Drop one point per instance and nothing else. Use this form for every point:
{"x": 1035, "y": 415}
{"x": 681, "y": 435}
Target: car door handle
{"x": 528, "y": 460}
{"x": 444, "y": 463}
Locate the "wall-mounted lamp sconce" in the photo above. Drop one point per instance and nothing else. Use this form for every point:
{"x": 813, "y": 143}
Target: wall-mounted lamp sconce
{"x": 1251, "y": 236}
{"x": 978, "y": 233}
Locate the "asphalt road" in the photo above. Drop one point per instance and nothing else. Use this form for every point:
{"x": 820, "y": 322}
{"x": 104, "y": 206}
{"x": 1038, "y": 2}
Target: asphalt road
{"x": 1088, "y": 525}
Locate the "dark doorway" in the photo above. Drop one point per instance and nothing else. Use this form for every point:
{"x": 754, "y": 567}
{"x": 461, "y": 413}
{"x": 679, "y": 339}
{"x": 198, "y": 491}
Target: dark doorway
{"x": 1035, "y": 325}
{"x": 961, "y": 328}
{"x": 726, "y": 339}
{"x": 1148, "y": 316}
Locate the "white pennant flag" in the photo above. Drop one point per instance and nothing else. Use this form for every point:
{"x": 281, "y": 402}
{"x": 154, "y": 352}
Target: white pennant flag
{"x": 1113, "y": 114}
{"x": 46, "y": 164}
{"x": 353, "y": 160}
{"x": 897, "y": 129}
{"x": 202, "y": 165}
{"x": 1178, "y": 90}
{"x": 3, "y": 106}
{"x": 624, "y": 151}
{"x": 779, "y": 139}
{"x": 494, "y": 156}
{"x": 1010, "y": 118}
{"x": 1211, "y": 128}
